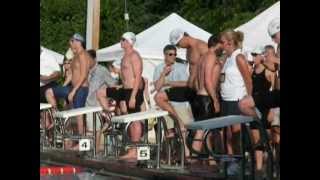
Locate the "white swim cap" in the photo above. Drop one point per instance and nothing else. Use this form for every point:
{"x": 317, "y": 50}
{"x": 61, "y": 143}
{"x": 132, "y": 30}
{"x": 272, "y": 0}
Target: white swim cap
{"x": 130, "y": 37}
{"x": 274, "y": 26}
{"x": 175, "y": 36}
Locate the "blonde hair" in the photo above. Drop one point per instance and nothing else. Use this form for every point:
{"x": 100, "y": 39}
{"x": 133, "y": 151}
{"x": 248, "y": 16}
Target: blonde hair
{"x": 235, "y": 36}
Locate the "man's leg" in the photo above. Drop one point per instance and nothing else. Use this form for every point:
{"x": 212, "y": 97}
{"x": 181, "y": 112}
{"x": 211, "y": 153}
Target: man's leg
{"x": 135, "y": 132}
{"x": 274, "y": 118}
{"x": 247, "y": 107}
{"x": 162, "y": 101}
{"x": 51, "y": 98}
{"x": 102, "y": 97}
{"x": 78, "y": 102}
{"x": 196, "y": 144}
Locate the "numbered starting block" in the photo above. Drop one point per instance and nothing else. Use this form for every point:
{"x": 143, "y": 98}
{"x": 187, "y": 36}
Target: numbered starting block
{"x": 45, "y": 109}
{"x": 144, "y": 148}
{"x": 85, "y": 142}
{"x": 84, "y": 145}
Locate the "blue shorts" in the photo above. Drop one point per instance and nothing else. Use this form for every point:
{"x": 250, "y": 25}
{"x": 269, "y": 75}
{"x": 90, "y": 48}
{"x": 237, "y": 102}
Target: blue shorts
{"x": 79, "y": 100}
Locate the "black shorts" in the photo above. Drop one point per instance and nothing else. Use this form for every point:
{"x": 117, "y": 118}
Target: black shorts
{"x": 230, "y": 108}
{"x": 125, "y": 96}
{"x": 180, "y": 94}
{"x": 114, "y": 93}
{"x": 274, "y": 99}
{"x": 262, "y": 103}
{"x": 203, "y": 108}
{"x": 43, "y": 90}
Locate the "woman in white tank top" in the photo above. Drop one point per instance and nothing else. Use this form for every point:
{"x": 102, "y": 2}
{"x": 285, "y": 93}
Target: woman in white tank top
{"x": 236, "y": 80}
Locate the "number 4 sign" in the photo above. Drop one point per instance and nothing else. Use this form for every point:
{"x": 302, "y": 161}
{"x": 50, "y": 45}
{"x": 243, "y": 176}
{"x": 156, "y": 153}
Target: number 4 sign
{"x": 143, "y": 153}
{"x": 84, "y": 145}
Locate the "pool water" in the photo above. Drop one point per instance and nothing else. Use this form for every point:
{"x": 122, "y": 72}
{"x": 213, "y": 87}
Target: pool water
{"x": 86, "y": 175}
{"x": 78, "y": 176}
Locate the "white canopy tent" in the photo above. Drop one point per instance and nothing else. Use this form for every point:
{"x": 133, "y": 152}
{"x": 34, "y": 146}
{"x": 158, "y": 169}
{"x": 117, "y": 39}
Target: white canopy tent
{"x": 151, "y": 41}
{"x": 59, "y": 57}
{"x": 256, "y": 30}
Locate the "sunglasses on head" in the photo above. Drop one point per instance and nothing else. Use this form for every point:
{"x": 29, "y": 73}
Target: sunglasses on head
{"x": 254, "y": 54}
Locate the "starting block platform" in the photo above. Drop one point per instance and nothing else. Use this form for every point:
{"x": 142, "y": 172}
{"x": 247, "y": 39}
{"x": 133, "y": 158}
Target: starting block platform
{"x": 63, "y": 117}
{"x": 143, "y": 116}
{"x": 219, "y": 122}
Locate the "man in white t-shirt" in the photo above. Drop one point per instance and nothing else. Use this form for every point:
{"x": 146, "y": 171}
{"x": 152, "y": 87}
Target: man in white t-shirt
{"x": 49, "y": 73}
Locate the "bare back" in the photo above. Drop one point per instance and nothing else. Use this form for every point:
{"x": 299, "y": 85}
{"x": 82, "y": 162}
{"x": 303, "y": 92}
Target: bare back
{"x": 207, "y": 73}
{"x": 128, "y": 64}
{"x": 80, "y": 68}
{"x": 194, "y": 54}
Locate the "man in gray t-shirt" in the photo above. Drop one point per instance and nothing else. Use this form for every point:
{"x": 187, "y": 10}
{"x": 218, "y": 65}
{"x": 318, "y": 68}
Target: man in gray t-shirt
{"x": 98, "y": 76}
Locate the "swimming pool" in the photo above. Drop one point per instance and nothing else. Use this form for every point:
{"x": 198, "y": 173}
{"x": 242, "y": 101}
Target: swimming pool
{"x": 50, "y": 171}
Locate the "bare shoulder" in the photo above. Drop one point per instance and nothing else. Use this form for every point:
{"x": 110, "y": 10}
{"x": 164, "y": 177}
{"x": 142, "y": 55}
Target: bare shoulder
{"x": 240, "y": 58}
{"x": 135, "y": 55}
{"x": 202, "y": 46}
{"x": 212, "y": 56}
{"x": 84, "y": 56}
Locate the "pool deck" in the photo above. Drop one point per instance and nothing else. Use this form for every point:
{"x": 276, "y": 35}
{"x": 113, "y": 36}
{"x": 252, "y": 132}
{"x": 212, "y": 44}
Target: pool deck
{"x": 116, "y": 167}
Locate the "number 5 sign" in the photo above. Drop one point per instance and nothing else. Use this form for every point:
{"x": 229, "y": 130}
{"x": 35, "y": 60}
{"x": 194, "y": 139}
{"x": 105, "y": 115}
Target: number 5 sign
{"x": 84, "y": 145}
{"x": 143, "y": 153}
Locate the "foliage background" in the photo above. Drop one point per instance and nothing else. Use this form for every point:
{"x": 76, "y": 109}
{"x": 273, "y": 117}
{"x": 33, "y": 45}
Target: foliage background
{"x": 59, "y": 19}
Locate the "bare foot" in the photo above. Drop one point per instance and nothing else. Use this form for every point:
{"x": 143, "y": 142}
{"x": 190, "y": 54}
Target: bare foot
{"x": 130, "y": 156}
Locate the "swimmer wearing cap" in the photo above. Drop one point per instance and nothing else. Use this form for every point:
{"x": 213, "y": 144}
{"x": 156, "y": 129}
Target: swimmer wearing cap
{"x": 77, "y": 92}
{"x": 195, "y": 49}
{"x": 133, "y": 85}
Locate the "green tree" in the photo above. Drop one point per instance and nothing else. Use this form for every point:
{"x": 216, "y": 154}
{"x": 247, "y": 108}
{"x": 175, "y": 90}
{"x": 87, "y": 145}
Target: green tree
{"x": 59, "y": 19}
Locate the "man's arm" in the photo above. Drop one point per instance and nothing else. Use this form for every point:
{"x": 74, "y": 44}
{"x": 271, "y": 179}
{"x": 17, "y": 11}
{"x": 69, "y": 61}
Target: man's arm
{"x": 216, "y": 72}
{"x": 84, "y": 71}
{"x": 211, "y": 77}
{"x": 244, "y": 70}
{"x": 52, "y": 77}
{"x": 68, "y": 78}
{"x": 271, "y": 77}
{"x": 181, "y": 79}
{"x": 137, "y": 72}
{"x": 177, "y": 83}
{"x": 160, "y": 82}
{"x": 208, "y": 78}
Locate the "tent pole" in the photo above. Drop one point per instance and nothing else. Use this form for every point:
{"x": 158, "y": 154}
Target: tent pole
{"x": 93, "y": 24}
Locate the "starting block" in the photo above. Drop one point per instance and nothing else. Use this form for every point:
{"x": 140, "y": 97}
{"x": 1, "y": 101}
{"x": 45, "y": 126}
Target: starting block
{"x": 46, "y": 108}
{"x": 65, "y": 116}
{"x": 141, "y": 116}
